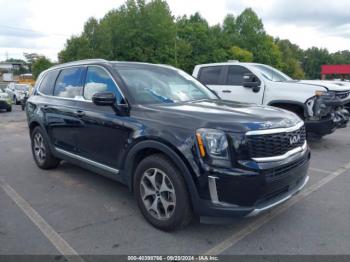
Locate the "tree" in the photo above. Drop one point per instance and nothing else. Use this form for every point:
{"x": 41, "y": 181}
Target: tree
{"x": 40, "y": 65}
{"x": 313, "y": 59}
{"x": 291, "y": 59}
{"x": 146, "y": 31}
{"x": 241, "y": 54}
{"x": 31, "y": 58}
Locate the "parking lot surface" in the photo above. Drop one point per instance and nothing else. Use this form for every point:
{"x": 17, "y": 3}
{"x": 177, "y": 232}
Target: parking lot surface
{"x": 71, "y": 209}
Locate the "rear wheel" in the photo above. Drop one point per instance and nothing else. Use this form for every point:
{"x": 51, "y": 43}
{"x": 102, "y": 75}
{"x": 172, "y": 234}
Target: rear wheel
{"x": 9, "y": 109}
{"x": 41, "y": 150}
{"x": 162, "y": 194}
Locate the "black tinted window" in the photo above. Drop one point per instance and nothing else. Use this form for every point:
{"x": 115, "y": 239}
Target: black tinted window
{"x": 98, "y": 80}
{"x": 210, "y": 75}
{"x": 48, "y": 83}
{"x": 235, "y": 75}
{"x": 69, "y": 84}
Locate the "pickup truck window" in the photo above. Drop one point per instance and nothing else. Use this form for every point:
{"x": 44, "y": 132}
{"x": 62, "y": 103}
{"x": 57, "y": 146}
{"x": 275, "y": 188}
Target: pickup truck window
{"x": 235, "y": 75}
{"x": 210, "y": 75}
{"x": 272, "y": 74}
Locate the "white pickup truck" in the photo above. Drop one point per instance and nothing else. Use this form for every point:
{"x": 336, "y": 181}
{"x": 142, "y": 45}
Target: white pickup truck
{"x": 321, "y": 104}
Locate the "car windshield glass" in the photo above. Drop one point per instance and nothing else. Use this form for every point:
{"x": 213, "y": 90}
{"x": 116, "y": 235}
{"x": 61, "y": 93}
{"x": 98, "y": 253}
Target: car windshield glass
{"x": 155, "y": 84}
{"x": 272, "y": 74}
{"x": 22, "y": 87}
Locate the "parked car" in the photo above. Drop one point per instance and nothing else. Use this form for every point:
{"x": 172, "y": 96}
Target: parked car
{"x": 319, "y": 103}
{"x": 180, "y": 148}
{"x": 17, "y": 92}
{"x": 5, "y": 101}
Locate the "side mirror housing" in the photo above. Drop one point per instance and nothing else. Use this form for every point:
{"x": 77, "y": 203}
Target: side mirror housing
{"x": 104, "y": 99}
{"x": 251, "y": 81}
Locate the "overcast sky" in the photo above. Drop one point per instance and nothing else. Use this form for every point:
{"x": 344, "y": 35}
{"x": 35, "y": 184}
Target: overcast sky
{"x": 42, "y": 26}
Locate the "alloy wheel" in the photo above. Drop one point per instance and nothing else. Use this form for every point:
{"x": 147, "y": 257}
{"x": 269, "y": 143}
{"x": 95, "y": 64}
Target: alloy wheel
{"x": 39, "y": 148}
{"x": 158, "y": 193}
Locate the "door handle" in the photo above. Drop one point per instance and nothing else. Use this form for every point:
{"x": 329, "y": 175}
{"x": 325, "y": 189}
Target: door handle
{"x": 80, "y": 113}
{"x": 226, "y": 91}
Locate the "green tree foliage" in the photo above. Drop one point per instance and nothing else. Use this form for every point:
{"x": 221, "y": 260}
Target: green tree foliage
{"x": 313, "y": 59}
{"x": 291, "y": 59}
{"x": 240, "y": 54}
{"x": 147, "y": 32}
{"x": 40, "y": 64}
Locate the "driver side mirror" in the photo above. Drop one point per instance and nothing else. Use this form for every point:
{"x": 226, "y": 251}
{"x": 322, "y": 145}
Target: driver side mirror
{"x": 104, "y": 99}
{"x": 251, "y": 81}
{"x": 109, "y": 99}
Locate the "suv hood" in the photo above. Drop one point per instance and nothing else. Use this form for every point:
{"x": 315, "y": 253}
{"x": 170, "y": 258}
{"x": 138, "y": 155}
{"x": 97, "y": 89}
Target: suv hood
{"x": 220, "y": 114}
{"x": 329, "y": 85}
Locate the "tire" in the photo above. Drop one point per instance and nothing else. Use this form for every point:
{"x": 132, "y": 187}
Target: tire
{"x": 41, "y": 150}
{"x": 9, "y": 109}
{"x": 168, "y": 187}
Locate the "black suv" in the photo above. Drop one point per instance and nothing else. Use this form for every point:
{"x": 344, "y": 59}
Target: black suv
{"x": 172, "y": 141}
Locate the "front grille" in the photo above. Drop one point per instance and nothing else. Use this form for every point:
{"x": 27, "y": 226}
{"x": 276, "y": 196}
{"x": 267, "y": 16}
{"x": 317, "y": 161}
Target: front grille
{"x": 342, "y": 94}
{"x": 269, "y": 145}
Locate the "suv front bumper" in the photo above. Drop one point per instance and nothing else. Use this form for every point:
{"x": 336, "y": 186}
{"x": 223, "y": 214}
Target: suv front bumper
{"x": 249, "y": 193}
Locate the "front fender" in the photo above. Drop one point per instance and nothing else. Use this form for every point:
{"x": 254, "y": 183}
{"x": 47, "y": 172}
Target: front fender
{"x": 173, "y": 154}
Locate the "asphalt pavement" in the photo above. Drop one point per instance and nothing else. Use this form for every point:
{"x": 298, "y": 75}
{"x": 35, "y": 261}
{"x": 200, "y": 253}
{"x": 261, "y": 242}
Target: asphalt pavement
{"x": 75, "y": 211}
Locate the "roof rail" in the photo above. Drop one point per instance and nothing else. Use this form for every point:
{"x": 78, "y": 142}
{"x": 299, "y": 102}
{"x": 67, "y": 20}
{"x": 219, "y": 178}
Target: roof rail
{"x": 78, "y": 62}
{"x": 233, "y": 61}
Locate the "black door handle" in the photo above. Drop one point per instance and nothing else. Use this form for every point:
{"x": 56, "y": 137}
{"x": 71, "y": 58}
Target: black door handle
{"x": 226, "y": 91}
{"x": 80, "y": 113}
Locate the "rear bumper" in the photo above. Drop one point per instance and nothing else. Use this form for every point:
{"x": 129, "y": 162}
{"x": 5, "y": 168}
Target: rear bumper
{"x": 249, "y": 194}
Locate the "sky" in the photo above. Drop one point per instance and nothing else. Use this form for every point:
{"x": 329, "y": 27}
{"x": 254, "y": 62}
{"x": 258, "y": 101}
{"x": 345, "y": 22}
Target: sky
{"x": 43, "y": 26}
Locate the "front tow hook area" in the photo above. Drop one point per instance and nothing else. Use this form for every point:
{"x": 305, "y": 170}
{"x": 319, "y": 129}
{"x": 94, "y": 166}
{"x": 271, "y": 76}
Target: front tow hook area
{"x": 341, "y": 118}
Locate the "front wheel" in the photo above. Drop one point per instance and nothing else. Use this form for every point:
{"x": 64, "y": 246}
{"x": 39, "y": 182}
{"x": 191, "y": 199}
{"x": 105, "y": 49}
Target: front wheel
{"x": 162, "y": 193}
{"x": 41, "y": 150}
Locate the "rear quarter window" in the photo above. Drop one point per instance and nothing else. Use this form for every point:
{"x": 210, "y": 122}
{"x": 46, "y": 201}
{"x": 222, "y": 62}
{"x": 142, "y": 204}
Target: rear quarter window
{"x": 210, "y": 75}
{"x": 48, "y": 83}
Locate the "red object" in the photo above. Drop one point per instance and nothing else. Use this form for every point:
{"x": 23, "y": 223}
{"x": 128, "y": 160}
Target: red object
{"x": 335, "y": 69}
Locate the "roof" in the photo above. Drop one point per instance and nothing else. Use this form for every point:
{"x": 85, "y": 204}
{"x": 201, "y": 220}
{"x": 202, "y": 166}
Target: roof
{"x": 335, "y": 69}
{"x": 103, "y": 61}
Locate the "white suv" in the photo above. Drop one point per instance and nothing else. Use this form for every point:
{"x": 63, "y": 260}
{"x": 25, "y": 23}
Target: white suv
{"x": 17, "y": 92}
{"x": 321, "y": 104}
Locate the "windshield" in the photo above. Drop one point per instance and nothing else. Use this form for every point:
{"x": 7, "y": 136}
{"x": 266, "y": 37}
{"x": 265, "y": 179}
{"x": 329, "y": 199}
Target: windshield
{"x": 155, "y": 84}
{"x": 22, "y": 87}
{"x": 272, "y": 74}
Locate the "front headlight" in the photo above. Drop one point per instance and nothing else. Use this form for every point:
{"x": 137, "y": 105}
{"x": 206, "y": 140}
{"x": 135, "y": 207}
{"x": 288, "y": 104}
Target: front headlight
{"x": 212, "y": 143}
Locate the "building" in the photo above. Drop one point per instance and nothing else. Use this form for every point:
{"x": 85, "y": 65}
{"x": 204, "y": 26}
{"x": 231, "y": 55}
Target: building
{"x": 341, "y": 70}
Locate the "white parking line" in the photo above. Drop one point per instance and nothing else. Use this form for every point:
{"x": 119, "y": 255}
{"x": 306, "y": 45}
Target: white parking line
{"x": 61, "y": 245}
{"x": 263, "y": 219}
{"x": 320, "y": 170}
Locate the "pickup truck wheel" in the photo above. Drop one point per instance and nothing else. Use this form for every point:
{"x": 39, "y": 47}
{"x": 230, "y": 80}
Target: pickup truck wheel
{"x": 162, "y": 194}
{"x": 41, "y": 150}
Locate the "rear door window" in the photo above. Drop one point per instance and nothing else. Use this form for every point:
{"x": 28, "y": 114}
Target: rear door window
{"x": 48, "y": 83}
{"x": 69, "y": 83}
{"x": 210, "y": 75}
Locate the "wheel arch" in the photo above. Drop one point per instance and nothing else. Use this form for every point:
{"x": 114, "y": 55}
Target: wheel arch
{"x": 300, "y": 108}
{"x": 145, "y": 148}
